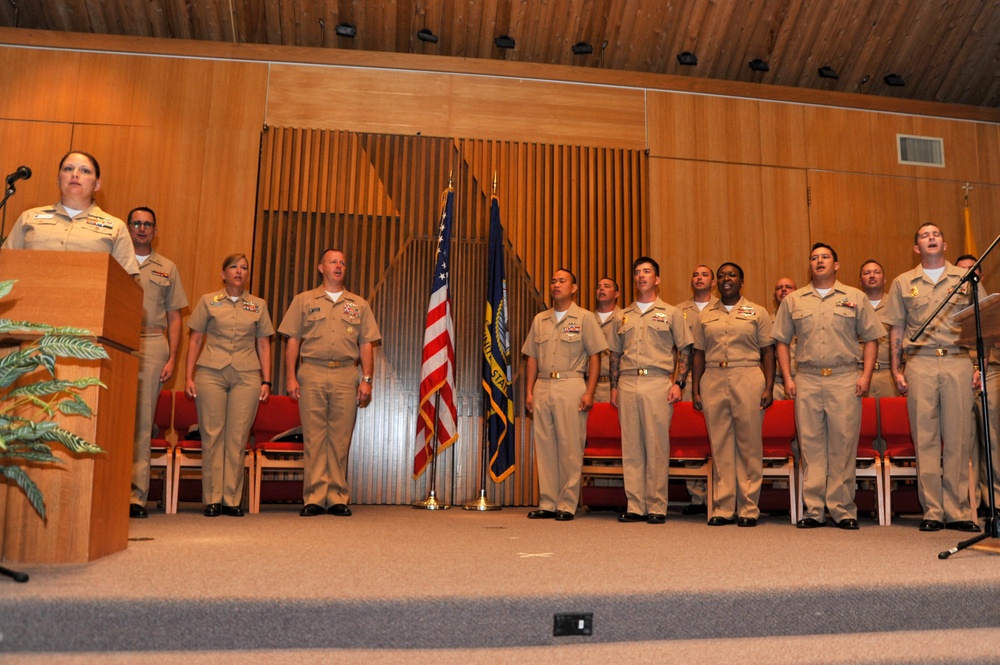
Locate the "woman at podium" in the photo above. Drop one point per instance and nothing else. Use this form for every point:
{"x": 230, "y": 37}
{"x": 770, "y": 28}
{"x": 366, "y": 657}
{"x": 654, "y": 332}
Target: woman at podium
{"x": 228, "y": 375}
{"x": 75, "y": 223}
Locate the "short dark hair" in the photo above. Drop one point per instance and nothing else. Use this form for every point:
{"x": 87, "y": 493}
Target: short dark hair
{"x": 735, "y": 265}
{"x": 566, "y": 270}
{"x": 710, "y": 271}
{"x": 612, "y": 280}
{"x": 645, "y": 259}
{"x": 330, "y": 249}
{"x": 233, "y": 258}
{"x": 93, "y": 161}
{"x": 140, "y": 209}
{"x": 964, "y": 257}
{"x": 861, "y": 271}
{"x": 823, "y": 244}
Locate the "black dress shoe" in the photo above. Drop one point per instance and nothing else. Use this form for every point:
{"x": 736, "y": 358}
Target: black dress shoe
{"x": 213, "y": 510}
{"x": 339, "y": 509}
{"x": 721, "y": 521}
{"x": 931, "y": 525}
{"x": 695, "y": 509}
{"x": 746, "y": 521}
{"x": 963, "y": 525}
{"x": 232, "y": 511}
{"x": 656, "y": 518}
{"x": 809, "y": 523}
{"x": 312, "y": 510}
{"x": 631, "y": 517}
{"x": 135, "y": 510}
{"x": 849, "y": 523}
{"x": 564, "y": 516}
{"x": 541, "y": 514}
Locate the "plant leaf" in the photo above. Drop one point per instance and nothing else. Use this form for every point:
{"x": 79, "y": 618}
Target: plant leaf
{"x": 74, "y": 405}
{"x": 73, "y": 442}
{"x": 6, "y": 286}
{"x": 72, "y": 347}
{"x": 20, "y": 477}
{"x": 54, "y": 386}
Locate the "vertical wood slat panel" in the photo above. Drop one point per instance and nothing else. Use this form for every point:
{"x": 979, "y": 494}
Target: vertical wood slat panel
{"x": 377, "y": 197}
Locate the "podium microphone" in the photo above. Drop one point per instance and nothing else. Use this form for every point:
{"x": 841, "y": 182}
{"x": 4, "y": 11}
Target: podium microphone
{"x": 22, "y": 173}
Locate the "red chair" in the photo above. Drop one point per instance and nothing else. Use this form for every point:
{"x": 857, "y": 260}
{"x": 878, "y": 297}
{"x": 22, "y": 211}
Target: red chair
{"x": 690, "y": 450}
{"x": 277, "y": 416}
{"x": 161, "y": 452}
{"x": 602, "y": 458}
{"x": 187, "y": 453}
{"x": 869, "y": 460}
{"x": 778, "y": 432}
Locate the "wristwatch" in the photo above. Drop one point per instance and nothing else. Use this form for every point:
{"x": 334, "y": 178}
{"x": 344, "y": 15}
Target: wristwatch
{"x": 366, "y": 379}
{"x": 680, "y": 383}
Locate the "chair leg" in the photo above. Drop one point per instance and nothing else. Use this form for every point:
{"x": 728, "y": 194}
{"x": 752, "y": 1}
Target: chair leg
{"x": 973, "y": 481}
{"x": 887, "y": 488}
{"x": 168, "y": 484}
{"x": 792, "y": 491}
{"x": 176, "y": 486}
{"x": 879, "y": 492}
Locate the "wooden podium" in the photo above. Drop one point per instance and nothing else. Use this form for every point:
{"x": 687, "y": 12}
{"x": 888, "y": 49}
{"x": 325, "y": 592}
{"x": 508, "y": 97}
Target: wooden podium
{"x": 87, "y": 496}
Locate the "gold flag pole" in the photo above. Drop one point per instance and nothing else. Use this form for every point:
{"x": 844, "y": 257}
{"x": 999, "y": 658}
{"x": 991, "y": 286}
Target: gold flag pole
{"x": 483, "y": 504}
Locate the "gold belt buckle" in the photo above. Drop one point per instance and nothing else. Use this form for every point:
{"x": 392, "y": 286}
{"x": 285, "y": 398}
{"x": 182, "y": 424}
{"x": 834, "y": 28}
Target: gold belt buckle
{"x": 333, "y": 363}
{"x": 826, "y": 371}
{"x": 553, "y": 375}
{"x": 941, "y": 352}
{"x": 724, "y": 363}
{"x": 642, "y": 372}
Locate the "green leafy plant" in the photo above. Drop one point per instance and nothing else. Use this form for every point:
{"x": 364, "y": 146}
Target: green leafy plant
{"x": 27, "y": 408}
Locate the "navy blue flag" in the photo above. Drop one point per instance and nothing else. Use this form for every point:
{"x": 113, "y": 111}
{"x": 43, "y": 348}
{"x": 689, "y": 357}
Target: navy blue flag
{"x": 496, "y": 357}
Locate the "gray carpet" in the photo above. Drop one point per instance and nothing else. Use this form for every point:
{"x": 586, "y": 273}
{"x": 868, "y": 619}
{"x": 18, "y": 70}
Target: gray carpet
{"x": 392, "y": 578}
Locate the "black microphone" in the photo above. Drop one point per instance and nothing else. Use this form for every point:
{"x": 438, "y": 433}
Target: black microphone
{"x": 22, "y": 173}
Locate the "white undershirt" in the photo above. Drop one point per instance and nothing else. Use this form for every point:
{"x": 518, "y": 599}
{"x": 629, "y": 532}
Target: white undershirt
{"x": 822, "y": 292}
{"x": 876, "y": 302}
{"x": 335, "y": 296}
{"x": 72, "y": 212}
{"x": 643, "y": 306}
{"x": 604, "y": 316}
{"x": 729, "y": 308}
{"x": 141, "y": 259}
{"x": 560, "y": 315}
{"x": 935, "y": 273}
{"x": 701, "y": 305}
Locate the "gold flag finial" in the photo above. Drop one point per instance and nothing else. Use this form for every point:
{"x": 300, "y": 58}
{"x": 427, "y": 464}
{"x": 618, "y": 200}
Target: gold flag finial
{"x": 494, "y": 183}
{"x": 449, "y": 178}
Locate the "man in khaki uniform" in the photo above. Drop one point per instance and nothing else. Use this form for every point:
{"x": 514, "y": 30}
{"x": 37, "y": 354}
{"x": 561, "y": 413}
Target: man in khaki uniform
{"x": 564, "y": 344}
{"x": 163, "y": 299}
{"x": 702, "y": 282}
{"x": 649, "y": 333}
{"x": 992, "y": 382}
{"x": 733, "y": 382}
{"x": 873, "y": 284}
{"x": 827, "y": 319}
{"x": 606, "y": 312}
{"x": 782, "y": 288}
{"x": 332, "y": 330}
{"x": 937, "y": 378}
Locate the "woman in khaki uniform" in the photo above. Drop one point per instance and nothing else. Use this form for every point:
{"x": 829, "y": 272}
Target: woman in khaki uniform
{"x": 233, "y": 378}
{"x": 733, "y": 380}
{"x": 75, "y": 223}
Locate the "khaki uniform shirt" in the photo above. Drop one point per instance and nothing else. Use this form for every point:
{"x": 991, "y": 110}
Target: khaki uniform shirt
{"x": 647, "y": 339}
{"x": 912, "y": 298}
{"x": 231, "y": 330}
{"x": 93, "y": 230}
{"x": 564, "y": 346}
{"x": 690, "y": 312}
{"x": 329, "y": 330}
{"x": 162, "y": 290}
{"x": 827, "y": 330}
{"x": 608, "y": 329}
{"x": 883, "y": 344}
{"x": 736, "y": 335}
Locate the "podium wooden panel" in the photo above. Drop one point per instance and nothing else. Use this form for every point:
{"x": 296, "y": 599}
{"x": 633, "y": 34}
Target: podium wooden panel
{"x": 87, "y": 496}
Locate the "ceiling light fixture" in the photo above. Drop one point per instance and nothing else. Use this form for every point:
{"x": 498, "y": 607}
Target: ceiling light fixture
{"x": 687, "y": 58}
{"x": 894, "y": 80}
{"x": 346, "y": 30}
{"x": 582, "y": 48}
{"x": 426, "y": 35}
{"x": 759, "y": 65}
{"x": 827, "y": 72}
{"x": 505, "y": 41}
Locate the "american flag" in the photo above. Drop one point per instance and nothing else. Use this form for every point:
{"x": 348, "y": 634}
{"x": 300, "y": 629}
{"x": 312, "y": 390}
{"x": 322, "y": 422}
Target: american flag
{"x": 437, "y": 371}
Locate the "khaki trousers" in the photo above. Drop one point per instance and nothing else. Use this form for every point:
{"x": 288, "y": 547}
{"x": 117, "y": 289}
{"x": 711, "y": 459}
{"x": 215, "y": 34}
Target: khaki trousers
{"x": 153, "y": 354}
{"x": 328, "y": 410}
{"x": 227, "y": 404}
{"x": 559, "y": 430}
{"x": 645, "y": 419}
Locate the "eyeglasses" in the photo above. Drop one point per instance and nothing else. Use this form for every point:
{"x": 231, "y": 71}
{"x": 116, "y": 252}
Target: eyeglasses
{"x": 142, "y": 225}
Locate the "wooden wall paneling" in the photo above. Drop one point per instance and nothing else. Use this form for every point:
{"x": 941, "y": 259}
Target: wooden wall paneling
{"x": 170, "y": 92}
{"x": 783, "y": 135}
{"x": 46, "y": 84}
{"x": 785, "y": 227}
{"x": 988, "y": 150}
{"x": 447, "y": 105}
{"x": 960, "y": 155}
{"x": 37, "y": 145}
{"x": 104, "y": 78}
{"x": 839, "y": 140}
{"x": 984, "y": 207}
{"x": 703, "y": 127}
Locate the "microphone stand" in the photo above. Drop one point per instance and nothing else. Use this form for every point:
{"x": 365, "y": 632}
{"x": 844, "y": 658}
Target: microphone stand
{"x": 971, "y": 277}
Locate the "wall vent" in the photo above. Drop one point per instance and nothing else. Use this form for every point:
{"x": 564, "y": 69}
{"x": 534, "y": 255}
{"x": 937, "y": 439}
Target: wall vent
{"x": 920, "y": 150}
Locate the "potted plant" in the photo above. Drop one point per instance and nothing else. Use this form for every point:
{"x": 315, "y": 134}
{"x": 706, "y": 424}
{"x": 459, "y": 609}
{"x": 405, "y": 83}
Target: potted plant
{"x": 28, "y": 406}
